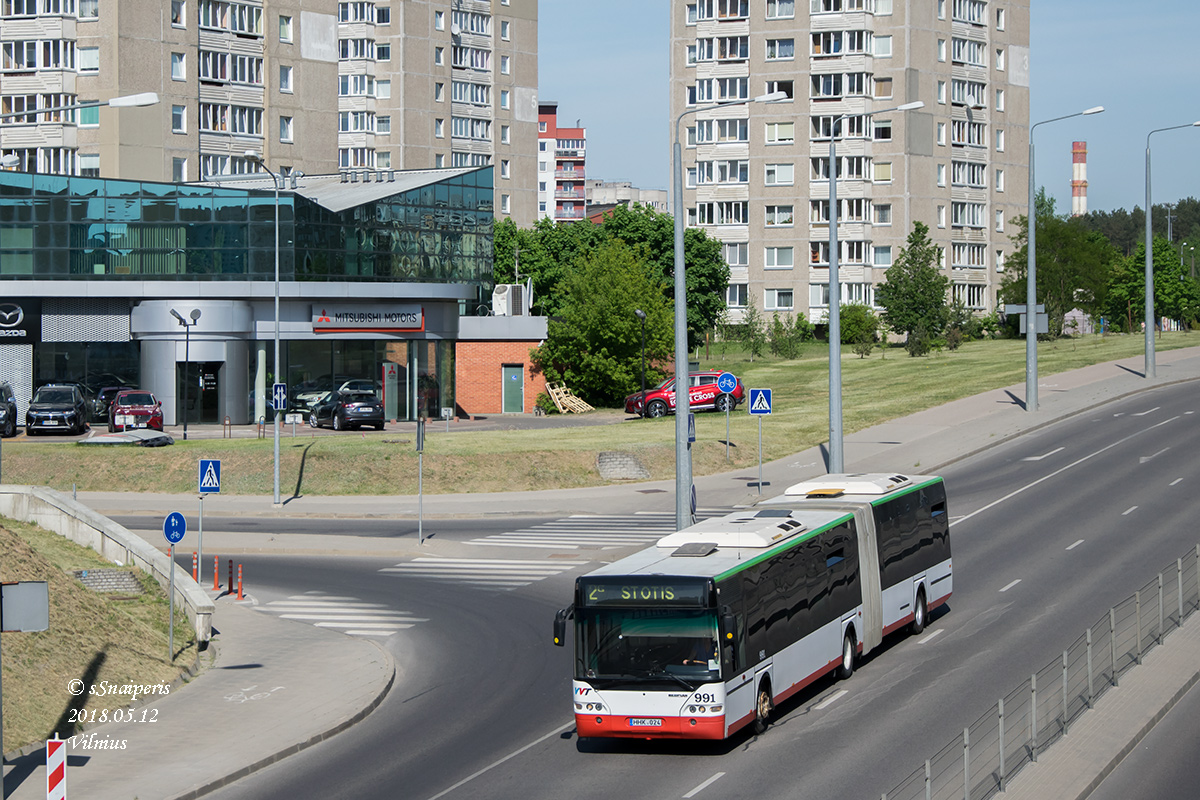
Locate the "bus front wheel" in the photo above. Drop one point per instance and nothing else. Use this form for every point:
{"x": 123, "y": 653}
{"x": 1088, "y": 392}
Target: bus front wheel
{"x": 919, "y": 613}
{"x": 762, "y": 707}
{"x": 846, "y": 668}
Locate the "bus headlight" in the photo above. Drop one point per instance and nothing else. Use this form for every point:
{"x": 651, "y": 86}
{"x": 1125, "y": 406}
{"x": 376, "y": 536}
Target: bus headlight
{"x": 579, "y": 706}
{"x": 716, "y": 709}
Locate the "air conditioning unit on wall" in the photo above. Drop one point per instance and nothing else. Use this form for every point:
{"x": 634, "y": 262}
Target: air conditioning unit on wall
{"x": 510, "y": 300}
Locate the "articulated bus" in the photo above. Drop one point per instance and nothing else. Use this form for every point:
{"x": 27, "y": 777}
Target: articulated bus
{"x": 710, "y": 629}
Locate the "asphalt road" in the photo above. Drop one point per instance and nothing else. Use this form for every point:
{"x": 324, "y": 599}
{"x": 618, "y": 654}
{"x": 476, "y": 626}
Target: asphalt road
{"x": 1049, "y": 531}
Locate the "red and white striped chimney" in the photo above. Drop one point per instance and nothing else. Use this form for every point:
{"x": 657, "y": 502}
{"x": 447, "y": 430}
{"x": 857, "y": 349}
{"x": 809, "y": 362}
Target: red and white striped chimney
{"x": 1078, "y": 178}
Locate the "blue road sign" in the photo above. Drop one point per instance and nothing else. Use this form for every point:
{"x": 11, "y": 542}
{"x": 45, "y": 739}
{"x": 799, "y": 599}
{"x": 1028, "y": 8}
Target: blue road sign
{"x": 727, "y": 382}
{"x": 279, "y": 396}
{"x": 760, "y": 401}
{"x": 691, "y": 428}
{"x": 209, "y": 480}
{"x": 174, "y": 527}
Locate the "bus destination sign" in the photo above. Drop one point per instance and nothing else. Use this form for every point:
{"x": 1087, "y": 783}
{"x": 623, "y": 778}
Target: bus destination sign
{"x": 655, "y": 592}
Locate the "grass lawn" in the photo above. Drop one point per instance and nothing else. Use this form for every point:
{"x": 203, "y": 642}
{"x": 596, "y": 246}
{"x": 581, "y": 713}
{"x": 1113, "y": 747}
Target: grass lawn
{"x": 886, "y": 385}
{"x": 92, "y": 637}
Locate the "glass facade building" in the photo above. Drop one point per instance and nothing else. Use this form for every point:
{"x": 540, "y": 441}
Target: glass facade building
{"x": 95, "y": 267}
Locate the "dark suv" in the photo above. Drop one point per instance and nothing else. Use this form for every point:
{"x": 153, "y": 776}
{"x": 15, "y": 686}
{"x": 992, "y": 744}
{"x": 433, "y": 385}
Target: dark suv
{"x": 8, "y": 410}
{"x": 57, "y": 407}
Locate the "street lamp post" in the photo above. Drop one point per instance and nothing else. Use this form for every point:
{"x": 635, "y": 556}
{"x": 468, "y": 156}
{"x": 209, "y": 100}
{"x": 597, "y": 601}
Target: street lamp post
{"x": 1149, "y": 323}
{"x": 642, "y": 316}
{"x": 835, "y": 296}
{"x": 255, "y": 158}
{"x": 187, "y": 360}
{"x": 683, "y": 456}
{"x": 1031, "y": 394}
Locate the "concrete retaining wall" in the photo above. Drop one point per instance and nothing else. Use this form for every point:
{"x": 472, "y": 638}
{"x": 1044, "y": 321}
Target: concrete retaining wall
{"x": 56, "y": 512}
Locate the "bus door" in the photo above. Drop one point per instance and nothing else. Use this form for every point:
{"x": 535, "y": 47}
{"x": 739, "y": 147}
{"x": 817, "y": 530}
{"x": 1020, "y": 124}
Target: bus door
{"x": 868, "y": 568}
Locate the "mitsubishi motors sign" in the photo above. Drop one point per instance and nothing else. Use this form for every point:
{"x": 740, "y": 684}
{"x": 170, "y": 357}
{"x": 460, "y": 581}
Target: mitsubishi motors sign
{"x": 368, "y": 318}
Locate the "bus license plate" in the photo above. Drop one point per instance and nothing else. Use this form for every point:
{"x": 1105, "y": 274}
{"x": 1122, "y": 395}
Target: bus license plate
{"x": 642, "y": 722}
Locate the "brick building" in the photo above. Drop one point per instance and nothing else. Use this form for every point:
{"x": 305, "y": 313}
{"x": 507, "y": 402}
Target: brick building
{"x": 493, "y": 370}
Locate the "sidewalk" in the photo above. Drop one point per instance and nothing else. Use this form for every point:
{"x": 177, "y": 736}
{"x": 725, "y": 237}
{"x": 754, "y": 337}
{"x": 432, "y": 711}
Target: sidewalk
{"x": 259, "y": 702}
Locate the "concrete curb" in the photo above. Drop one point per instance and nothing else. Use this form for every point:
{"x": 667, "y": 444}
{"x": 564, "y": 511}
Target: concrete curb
{"x": 262, "y": 763}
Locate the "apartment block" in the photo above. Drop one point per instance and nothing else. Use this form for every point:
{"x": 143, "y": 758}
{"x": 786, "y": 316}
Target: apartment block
{"x": 611, "y": 193}
{"x": 757, "y": 174}
{"x": 562, "y": 157}
{"x": 315, "y": 86}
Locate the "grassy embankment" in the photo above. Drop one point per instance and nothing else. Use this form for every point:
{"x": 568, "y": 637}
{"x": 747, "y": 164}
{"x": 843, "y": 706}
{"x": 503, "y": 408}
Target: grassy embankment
{"x": 886, "y": 385}
{"x": 92, "y": 637}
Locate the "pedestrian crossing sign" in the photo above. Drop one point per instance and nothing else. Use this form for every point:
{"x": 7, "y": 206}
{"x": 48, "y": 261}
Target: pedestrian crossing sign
{"x": 760, "y": 401}
{"x": 209, "y": 476}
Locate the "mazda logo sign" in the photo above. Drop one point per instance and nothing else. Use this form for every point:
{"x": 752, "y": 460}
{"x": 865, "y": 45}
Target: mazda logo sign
{"x": 11, "y": 315}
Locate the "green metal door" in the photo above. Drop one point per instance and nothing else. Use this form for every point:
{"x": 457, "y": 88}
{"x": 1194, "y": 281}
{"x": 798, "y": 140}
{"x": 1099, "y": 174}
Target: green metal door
{"x": 514, "y": 389}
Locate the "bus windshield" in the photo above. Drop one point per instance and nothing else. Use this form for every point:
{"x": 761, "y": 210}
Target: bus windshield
{"x": 647, "y": 644}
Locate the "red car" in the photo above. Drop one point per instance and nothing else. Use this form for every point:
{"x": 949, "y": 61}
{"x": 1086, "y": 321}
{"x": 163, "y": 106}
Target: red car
{"x": 135, "y": 408}
{"x": 702, "y": 394}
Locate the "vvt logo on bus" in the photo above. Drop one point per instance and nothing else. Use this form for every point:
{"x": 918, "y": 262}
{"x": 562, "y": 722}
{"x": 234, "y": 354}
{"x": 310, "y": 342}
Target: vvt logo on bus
{"x": 582, "y": 690}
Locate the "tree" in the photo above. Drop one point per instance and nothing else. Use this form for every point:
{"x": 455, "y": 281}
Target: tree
{"x": 1176, "y": 293}
{"x": 1073, "y": 267}
{"x": 754, "y": 333}
{"x": 786, "y": 333}
{"x": 913, "y": 294}
{"x": 857, "y": 322}
{"x": 594, "y": 343}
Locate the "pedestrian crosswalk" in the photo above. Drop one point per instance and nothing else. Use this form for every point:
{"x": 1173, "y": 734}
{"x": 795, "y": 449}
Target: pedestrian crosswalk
{"x": 593, "y": 531}
{"x": 350, "y": 615}
{"x": 483, "y": 573}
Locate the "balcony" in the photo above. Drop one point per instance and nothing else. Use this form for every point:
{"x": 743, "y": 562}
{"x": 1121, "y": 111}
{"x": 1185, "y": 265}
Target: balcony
{"x": 569, "y": 174}
{"x": 575, "y": 213}
{"x": 569, "y": 194}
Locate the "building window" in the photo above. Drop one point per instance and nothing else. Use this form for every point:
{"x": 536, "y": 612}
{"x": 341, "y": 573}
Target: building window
{"x": 883, "y": 47}
{"x": 505, "y": 204}
{"x": 999, "y": 221}
{"x": 89, "y": 117}
{"x": 178, "y": 119}
{"x": 999, "y": 19}
{"x": 883, "y": 214}
{"x": 504, "y": 98}
{"x": 778, "y": 258}
{"x": 999, "y": 140}
{"x": 779, "y": 175}
{"x": 736, "y": 295}
{"x": 439, "y": 92}
{"x": 439, "y": 56}
{"x": 1000, "y": 59}
{"x": 778, "y": 300}
{"x": 178, "y": 66}
{"x": 89, "y": 9}
{"x": 883, "y": 172}
{"x": 178, "y": 14}
{"x": 941, "y": 9}
{"x": 941, "y": 174}
{"x": 383, "y": 89}
{"x": 383, "y": 159}
{"x": 503, "y": 134}
{"x": 439, "y": 20}
{"x": 504, "y": 65}
{"x": 778, "y": 216}
{"x": 883, "y": 130}
{"x": 941, "y": 216}
{"x": 781, "y": 49}
{"x": 89, "y": 165}
{"x": 941, "y": 49}
{"x": 179, "y": 170}
{"x": 439, "y": 161}
{"x": 504, "y": 168}
{"x": 883, "y": 256}
{"x": 999, "y": 180}
{"x": 89, "y": 60}
{"x": 941, "y": 92}
{"x": 285, "y": 129}
{"x": 999, "y": 99}
{"x": 737, "y": 254}
{"x": 883, "y": 88}
{"x": 781, "y": 9}
{"x": 883, "y": 8}
{"x": 383, "y": 52}
{"x": 504, "y": 29}
{"x": 439, "y": 128}
{"x": 818, "y": 295}
{"x": 777, "y": 132}
{"x": 383, "y": 15}
{"x": 285, "y": 28}
{"x": 285, "y": 79}
{"x": 383, "y": 125}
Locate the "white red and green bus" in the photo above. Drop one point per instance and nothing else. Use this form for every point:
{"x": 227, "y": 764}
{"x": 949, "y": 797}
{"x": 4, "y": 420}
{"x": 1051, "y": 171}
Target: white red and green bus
{"x": 706, "y": 632}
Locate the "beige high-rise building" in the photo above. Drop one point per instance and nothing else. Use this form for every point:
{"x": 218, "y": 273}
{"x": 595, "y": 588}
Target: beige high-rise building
{"x": 757, "y": 174}
{"x": 313, "y": 85}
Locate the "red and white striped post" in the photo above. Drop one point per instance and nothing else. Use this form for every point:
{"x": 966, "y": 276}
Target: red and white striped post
{"x": 56, "y": 769}
{"x": 216, "y": 573}
{"x": 240, "y": 582}
{"x": 195, "y": 566}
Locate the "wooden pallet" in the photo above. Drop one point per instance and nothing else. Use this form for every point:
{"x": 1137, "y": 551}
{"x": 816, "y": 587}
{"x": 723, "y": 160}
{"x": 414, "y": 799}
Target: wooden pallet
{"x": 565, "y": 399}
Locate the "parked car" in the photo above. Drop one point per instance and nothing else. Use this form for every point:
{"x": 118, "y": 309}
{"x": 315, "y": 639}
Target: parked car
{"x": 8, "y": 410}
{"x": 702, "y": 394}
{"x": 343, "y": 410}
{"x": 135, "y": 408}
{"x": 104, "y": 398}
{"x": 309, "y": 393}
{"x": 57, "y": 407}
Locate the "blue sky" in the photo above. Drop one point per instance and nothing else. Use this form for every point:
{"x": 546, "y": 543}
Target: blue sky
{"x": 605, "y": 63}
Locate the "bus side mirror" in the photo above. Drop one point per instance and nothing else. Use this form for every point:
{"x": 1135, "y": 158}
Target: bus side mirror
{"x": 560, "y": 625}
{"x": 728, "y": 625}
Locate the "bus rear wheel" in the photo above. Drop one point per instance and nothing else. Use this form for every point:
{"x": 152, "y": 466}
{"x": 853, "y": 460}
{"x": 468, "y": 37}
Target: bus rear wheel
{"x": 762, "y": 708}
{"x": 846, "y": 668}
{"x": 920, "y": 611}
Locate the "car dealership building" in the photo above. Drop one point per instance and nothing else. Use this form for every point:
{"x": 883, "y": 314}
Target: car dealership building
{"x": 116, "y": 282}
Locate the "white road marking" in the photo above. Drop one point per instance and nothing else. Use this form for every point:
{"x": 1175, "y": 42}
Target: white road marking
{"x": 705, "y": 785}
{"x": 495, "y": 764}
{"x": 1144, "y": 459}
{"x": 1119, "y": 414}
{"x": 833, "y": 698}
{"x": 1044, "y": 455}
{"x": 1177, "y": 480}
{"x": 930, "y": 637}
{"x": 1061, "y": 470}
{"x": 1144, "y": 413}
{"x": 1128, "y": 511}
{"x": 1014, "y": 583}
{"x": 1073, "y": 546}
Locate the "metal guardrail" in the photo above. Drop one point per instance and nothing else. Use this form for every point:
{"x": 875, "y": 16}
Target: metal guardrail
{"x": 1037, "y": 713}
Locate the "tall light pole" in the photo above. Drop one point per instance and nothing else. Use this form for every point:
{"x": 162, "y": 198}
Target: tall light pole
{"x": 835, "y": 295}
{"x": 683, "y": 455}
{"x": 255, "y": 158}
{"x": 642, "y": 316}
{"x": 1149, "y": 323}
{"x": 187, "y": 360}
{"x": 1031, "y": 394}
